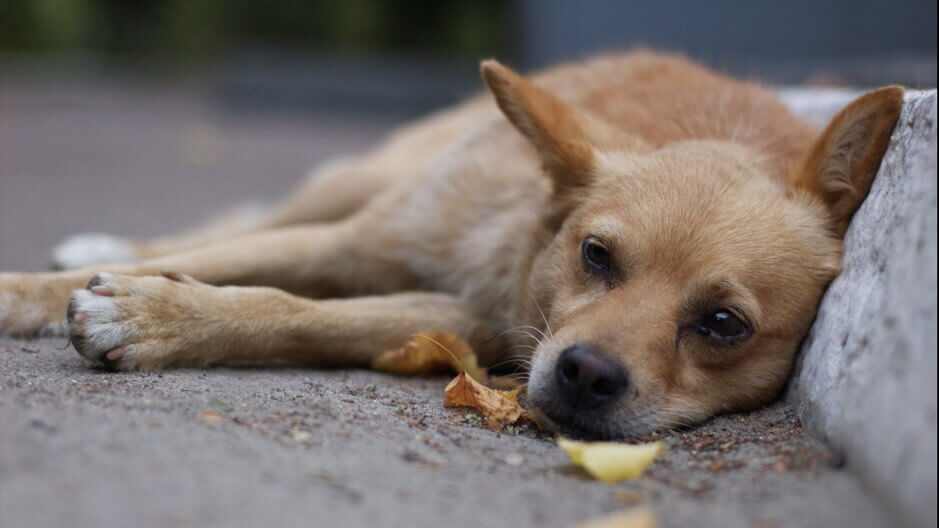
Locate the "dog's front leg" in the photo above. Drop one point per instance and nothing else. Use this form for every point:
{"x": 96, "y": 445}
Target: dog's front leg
{"x": 150, "y": 323}
{"x": 330, "y": 260}
{"x": 33, "y": 304}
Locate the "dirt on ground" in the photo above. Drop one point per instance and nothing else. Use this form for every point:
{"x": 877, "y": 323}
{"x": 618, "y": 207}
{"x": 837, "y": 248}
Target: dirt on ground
{"x": 80, "y": 446}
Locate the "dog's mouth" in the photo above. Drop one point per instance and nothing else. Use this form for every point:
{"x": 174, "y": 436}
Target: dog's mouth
{"x": 573, "y": 431}
{"x": 592, "y": 427}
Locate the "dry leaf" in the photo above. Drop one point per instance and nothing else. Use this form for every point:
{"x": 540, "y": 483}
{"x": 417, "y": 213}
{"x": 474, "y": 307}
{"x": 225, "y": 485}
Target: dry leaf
{"x": 634, "y": 518}
{"x": 611, "y": 461}
{"x": 627, "y": 497}
{"x": 210, "y": 417}
{"x": 431, "y": 352}
{"x": 498, "y": 407}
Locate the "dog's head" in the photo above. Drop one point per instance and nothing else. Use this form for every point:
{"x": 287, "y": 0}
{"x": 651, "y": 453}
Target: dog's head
{"x": 680, "y": 281}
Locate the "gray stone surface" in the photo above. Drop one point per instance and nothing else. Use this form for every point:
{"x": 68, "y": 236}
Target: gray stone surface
{"x": 866, "y": 379}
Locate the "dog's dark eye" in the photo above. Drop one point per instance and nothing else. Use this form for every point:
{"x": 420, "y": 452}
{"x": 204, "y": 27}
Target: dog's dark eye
{"x": 596, "y": 257}
{"x": 722, "y": 324}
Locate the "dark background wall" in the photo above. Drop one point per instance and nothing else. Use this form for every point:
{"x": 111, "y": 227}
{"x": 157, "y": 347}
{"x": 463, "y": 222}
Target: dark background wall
{"x": 787, "y": 41}
{"x": 407, "y": 57}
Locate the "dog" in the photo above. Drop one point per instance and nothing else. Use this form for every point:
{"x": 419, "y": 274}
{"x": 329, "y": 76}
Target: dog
{"x": 649, "y": 239}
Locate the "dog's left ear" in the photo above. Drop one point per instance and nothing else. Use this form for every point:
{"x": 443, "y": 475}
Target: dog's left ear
{"x": 563, "y": 137}
{"x": 841, "y": 165}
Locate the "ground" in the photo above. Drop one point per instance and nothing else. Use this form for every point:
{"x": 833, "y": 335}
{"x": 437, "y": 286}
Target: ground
{"x": 81, "y": 446}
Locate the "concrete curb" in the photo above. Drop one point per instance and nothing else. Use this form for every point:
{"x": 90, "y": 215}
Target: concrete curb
{"x": 866, "y": 378}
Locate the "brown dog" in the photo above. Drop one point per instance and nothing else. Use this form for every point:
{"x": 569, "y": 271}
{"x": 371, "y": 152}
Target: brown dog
{"x": 661, "y": 233}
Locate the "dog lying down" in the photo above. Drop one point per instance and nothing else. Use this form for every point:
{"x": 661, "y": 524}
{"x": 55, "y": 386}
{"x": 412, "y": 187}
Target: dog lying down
{"x": 660, "y": 234}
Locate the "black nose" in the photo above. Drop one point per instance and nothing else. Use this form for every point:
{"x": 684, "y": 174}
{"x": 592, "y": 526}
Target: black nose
{"x": 587, "y": 378}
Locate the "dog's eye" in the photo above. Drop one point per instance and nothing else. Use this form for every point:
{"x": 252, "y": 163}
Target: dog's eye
{"x": 596, "y": 257}
{"x": 722, "y": 324}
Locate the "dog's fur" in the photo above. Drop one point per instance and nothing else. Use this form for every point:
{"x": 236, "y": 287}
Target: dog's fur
{"x": 704, "y": 193}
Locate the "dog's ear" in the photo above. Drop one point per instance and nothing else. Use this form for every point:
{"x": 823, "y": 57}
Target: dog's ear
{"x": 558, "y": 132}
{"x": 841, "y": 165}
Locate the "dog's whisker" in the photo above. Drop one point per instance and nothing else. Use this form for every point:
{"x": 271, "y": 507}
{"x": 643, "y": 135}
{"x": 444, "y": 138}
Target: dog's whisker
{"x": 528, "y": 335}
{"x": 521, "y": 355}
{"x": 521, "y": 330}
{"x": 514, "y": 361}
{"x": 546, "y": 325}
{"x": 535, "y": 328}
{"x": 519, "y": 358}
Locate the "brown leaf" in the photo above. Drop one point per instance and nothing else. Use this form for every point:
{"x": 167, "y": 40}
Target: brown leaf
{"x": 210, "y": 417}
{"x": 498, "y": 407}
{"x": 431, "y": 352}
{"x": 635, "y": 518}
{"x": 627, "y": 497}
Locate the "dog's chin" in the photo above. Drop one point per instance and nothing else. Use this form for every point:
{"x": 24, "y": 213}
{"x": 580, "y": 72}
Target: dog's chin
{"x": 595, "y": 426}
{"x": 568, "y": 430}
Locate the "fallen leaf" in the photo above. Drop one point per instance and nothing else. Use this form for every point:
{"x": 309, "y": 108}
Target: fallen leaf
{"x": 627, "y": 497}
{"x": 431, "y": 352}
{"x": 210, "y": 417}
{"x": 498, "y": 407}
{"x": 220, "y": 405}
{"x": 634, "y": 518}
{"x": 611, "y": 461}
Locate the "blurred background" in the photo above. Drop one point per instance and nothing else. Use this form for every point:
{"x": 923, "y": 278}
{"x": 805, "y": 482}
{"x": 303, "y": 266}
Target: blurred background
{"x": 140, "y": 117}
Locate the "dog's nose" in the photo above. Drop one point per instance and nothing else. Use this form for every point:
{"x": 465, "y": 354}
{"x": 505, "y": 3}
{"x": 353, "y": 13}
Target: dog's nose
{"x": 587, "y": 378}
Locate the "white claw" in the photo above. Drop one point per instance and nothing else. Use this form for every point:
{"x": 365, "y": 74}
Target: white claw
{"x": 101, "y": 331}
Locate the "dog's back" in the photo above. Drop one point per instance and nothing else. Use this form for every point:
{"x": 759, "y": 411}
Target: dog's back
{"x": 661, "y": 98}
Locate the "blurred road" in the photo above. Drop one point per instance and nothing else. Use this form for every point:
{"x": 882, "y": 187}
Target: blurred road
{"x": 143, "y": 157}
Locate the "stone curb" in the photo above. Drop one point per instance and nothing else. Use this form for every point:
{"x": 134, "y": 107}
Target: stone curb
{"x": 866, "y": 378}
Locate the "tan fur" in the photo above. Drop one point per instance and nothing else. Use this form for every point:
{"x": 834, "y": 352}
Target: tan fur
{"x": 708, "y": 193}
{"x": 840, "y": 167}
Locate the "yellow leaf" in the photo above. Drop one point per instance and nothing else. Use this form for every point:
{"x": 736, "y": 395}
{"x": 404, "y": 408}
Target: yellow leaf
{"x": 210, "y": 417}
{"x": 498, "y": 407}
{"x": 431, "y": 352}
{"x": 634, "y": 518}
{"x": 611, "y": 461}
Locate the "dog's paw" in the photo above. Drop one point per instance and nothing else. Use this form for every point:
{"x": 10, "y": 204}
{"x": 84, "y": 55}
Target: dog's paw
{"x": 29, "y": 306}
{"x": 88, "y": 249}
{"x": 140, "y": 323}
